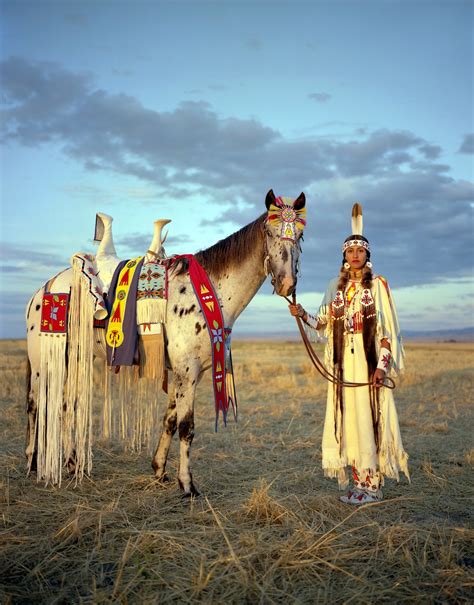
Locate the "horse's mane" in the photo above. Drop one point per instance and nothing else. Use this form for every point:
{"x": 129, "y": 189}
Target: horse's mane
{"x": 226, "y": 253}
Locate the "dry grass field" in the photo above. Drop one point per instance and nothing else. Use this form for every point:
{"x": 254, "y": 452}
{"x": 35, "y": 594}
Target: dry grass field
{"x": 268, "y": 527}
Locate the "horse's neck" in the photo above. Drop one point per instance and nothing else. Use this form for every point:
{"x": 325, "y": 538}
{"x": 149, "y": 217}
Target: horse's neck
{"x": 241, "y": 285}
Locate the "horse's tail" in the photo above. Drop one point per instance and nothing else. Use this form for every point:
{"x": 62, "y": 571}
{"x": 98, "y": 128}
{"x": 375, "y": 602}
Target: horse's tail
{"x": 77, "y": 424}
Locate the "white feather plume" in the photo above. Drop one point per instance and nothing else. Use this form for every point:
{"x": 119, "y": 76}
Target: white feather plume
{"x": 357, "y": 221}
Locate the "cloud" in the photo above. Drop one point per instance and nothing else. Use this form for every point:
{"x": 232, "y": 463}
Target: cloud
{"x": 139, "y": 242}
{"x": 16, "y": 257}
{"x": 418, "y": 217}
{"x": 22, "y": 271}
{"x": 467, "y": 146}
{"x": 320, "y": 97}
{"x": 431, "y": 152}
{"x": 218, "y": 87}
{"x": 126, "y": 73}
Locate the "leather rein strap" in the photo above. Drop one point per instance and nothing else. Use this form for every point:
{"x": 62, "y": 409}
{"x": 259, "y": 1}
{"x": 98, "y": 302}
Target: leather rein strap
{"x": 319, "y": 365}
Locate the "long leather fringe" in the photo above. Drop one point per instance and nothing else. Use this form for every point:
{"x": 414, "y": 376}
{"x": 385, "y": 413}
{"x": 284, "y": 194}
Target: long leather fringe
{"x": 50, "y": 407}
{"x": 78, "y": 425}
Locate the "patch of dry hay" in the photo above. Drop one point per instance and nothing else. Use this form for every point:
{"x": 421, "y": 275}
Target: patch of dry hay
{"x": 268, "y": 528}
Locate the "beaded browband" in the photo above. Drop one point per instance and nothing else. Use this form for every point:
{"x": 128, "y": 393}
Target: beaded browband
{"x": 356, "y": 242}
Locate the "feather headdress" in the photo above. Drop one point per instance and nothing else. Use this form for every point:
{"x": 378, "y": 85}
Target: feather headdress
{"x": 357, "y": 230}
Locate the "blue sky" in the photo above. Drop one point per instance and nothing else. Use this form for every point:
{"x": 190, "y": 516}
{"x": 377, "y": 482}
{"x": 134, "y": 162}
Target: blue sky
{"x": 193, "y": 110}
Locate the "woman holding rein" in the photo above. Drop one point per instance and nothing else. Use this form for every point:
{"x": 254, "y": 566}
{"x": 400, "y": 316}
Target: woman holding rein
{"x": 359, "y": 320}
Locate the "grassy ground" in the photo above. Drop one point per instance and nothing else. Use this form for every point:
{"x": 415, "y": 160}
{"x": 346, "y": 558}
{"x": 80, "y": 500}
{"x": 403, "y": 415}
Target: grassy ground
{"x": 268, "y": 527}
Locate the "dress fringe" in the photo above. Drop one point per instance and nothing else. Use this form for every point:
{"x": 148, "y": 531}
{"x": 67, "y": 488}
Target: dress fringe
{"x": 390, "y": 463}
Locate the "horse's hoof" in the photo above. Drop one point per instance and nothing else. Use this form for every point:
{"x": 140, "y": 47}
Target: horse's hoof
{"x": 192, "y": 493}
{"x": 163, "y": 479}
{"x": 71, "y": 463}
{"x": 31, "y": 464}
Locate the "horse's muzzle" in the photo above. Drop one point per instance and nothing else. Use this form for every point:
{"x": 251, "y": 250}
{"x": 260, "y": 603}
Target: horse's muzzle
{"x": 284, "y": 286}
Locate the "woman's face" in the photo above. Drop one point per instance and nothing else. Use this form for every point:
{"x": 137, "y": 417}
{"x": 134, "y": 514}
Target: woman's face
{"x": 356, "y": 256}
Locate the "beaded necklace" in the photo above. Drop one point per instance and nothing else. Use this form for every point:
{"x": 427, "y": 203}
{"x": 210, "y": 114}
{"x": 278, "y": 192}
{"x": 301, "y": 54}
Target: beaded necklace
{"x": 349, "y": 309}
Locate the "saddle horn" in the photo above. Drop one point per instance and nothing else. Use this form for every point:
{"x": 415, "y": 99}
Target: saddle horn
{"x": 156, "y": 245}
{"x": 103, "y": 234}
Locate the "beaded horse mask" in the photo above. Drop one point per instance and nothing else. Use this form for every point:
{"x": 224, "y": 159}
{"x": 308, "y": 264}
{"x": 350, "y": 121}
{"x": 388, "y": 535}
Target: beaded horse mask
{"x": 288, "y": 215}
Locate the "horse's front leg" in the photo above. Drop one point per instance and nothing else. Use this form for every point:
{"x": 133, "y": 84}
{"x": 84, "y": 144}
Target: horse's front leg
{"x": 169, "y": 429}
{"x": 185, "y": 392}
{"x": 185, "y": 381}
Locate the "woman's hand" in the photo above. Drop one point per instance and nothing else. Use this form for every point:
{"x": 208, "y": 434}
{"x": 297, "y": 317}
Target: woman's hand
{"x": 378, "y": 378}
{"x": 297, "y": 311}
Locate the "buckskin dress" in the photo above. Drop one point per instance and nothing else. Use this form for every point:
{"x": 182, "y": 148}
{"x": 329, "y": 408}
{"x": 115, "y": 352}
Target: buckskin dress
{"x": 358, "y": 447}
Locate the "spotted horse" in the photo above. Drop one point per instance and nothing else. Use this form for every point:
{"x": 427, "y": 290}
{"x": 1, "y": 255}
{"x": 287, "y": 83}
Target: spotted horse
{"x": 237, "y": 267}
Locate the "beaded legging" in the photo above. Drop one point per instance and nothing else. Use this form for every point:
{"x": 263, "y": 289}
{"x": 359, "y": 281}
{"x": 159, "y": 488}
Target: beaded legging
{"x": 367, "y": 481}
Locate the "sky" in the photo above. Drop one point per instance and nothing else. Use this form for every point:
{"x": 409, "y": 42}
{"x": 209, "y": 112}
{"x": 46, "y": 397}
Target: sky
{"x": 193, "y": 110}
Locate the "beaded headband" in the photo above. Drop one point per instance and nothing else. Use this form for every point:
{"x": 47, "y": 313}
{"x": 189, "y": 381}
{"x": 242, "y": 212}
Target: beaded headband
{"x": 356, "y": 242}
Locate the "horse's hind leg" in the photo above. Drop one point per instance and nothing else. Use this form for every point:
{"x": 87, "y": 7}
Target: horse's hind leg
{"x": 33, "y": 319}
{"x": 30, "y": 451}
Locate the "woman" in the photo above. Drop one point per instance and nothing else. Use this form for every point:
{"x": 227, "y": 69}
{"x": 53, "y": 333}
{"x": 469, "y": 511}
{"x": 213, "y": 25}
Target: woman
{"x": 358, "y": 317}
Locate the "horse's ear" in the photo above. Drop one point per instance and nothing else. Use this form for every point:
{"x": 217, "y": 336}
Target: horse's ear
{"x": 270, "y": 199}
{"x": 300, "y": 202}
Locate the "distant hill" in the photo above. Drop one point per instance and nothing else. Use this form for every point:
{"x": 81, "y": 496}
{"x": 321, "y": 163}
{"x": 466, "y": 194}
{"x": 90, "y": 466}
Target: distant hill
{"x": 460, "y": 335}
{"x": 450, "y": 335}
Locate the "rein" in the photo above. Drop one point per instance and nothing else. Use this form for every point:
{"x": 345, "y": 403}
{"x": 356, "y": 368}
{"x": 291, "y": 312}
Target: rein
{"x": 319, "y": 365}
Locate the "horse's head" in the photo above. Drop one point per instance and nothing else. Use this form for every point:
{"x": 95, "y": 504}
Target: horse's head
{"x": 283, "y": 231}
